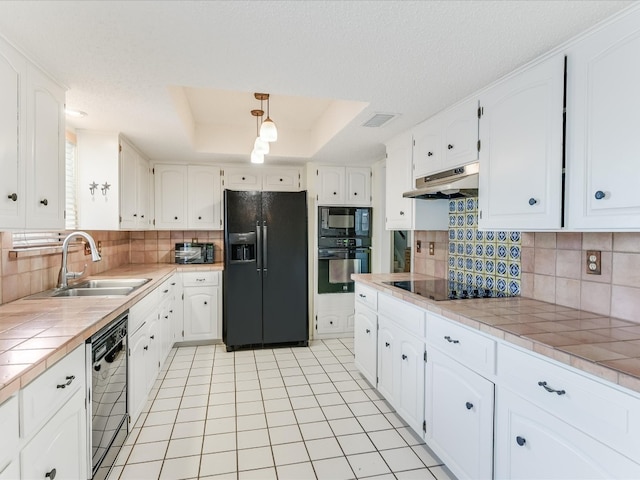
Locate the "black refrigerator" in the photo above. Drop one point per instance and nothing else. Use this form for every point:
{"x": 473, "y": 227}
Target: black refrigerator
{"x": 265, "y": 269}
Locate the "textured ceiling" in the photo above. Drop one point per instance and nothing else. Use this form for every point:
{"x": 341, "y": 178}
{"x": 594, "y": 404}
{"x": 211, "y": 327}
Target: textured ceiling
{"x": 120, "y": 58}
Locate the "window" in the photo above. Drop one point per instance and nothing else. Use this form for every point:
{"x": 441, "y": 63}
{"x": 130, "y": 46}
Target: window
{"x": 30, "y": 239}
{"x": 71, "y": 209}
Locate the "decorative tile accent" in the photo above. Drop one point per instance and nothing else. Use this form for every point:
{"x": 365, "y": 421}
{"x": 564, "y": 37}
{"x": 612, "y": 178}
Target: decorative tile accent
{"x": 485, "y": 259}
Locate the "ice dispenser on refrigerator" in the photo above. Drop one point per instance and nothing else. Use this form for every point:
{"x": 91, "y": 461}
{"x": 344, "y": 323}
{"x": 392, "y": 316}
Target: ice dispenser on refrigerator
{"x": 243, "y": 247}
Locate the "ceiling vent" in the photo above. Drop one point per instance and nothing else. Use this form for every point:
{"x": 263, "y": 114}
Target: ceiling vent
{"x": 379, "y": 119}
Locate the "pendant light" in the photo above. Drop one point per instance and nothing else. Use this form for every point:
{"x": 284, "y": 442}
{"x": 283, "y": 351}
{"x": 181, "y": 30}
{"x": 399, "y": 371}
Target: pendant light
{"x": 259, "y": 146}
{"x": 268, "y": 130}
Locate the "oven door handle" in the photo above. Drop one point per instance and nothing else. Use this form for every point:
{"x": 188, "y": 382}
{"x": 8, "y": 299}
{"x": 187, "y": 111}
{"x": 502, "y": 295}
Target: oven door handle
{"x": 335, "y": 254}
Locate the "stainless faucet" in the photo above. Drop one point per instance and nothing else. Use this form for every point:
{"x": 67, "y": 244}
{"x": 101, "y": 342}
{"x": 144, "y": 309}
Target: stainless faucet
{"x": 65, "y": 275}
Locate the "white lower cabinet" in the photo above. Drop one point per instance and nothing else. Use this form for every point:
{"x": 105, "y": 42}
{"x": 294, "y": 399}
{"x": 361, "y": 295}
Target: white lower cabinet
{"x": 531, "y": 443}
{"x": 459, "y": 416}
{"x": 9, "y": 464}
{"x": 202, "y": 306}
{"x": 409, "y": 370}
{"x": 386, "y": 344}
{"x": 137, "y": 383}
{"x": 334, "y": 317}
{"x": 365, "y": 342}
{"x": 60, "y": 448}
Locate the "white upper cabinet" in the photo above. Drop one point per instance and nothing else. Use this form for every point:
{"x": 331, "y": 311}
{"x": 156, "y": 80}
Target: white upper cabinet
{"x": 520, "y": 184}
{"x": 343, "y": 185}
{"x": 187, "y": 197}
{"x": 135, "y": 201}
{"x": 113, "y": 183}
{"x": 171, "y": 197}
{"x": 603, "y": 145}
{"x": 32, "y": 138}
{"x": 407, "y": 213}
{"x": 204, "y": 200}
{"x": 427, "y": 156}
{"x": 460, "y": 134}
{"x": 267, "y": 178}
{"x": 12, "y": 138}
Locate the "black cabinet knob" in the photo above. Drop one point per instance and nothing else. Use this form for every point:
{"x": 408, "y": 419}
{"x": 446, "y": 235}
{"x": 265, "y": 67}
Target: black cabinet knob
{"x": 450, "y": 147}
{"x": 44, "y": 202}
{"x": 599, "y": 195}
{"x": 141, "y": 216}
{"x": 146, "y": 347}
{"x": 51, "y": 474}
{"x": 387, "y": 344}
{"x": 335, "y": 193}
{"x": 135, "y": 214}
{"x": 532, "y": 201}
{"x": 404, "y": 357}
{"x": 13, "y": 196}
{"x": 368, "y": 331}
{"x": 152, "y": 337}
{"x": 205, "y": 303}
{"x": 281, "y": 180}
{"x": 469, "y": 405}
{"x": 330, "y": 322}
{"x": 429, "y": 154}
{"x": 199, "y": 218}
{"x": 166, "y": 317}
{"x": 521, "y": 440}
{"x": 243, "y": 178}
{"x": 401, "y": 212}
{"x": 355, "y": 193}
{"x": 175, "y": 218}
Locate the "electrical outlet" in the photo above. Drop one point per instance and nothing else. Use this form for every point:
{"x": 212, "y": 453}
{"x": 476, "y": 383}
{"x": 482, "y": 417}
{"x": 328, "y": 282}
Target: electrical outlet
{"x": 432, "y": 248}
{"x": 99, "y": 246}
{"x": 194, "y": 240}
{"x": 418, "y": 246}
{"x": 87, "y": 248}
{"x": 593, "y": 262}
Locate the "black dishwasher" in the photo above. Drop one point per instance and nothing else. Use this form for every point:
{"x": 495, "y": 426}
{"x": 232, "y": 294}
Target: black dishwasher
{"x": 107, "y": 350}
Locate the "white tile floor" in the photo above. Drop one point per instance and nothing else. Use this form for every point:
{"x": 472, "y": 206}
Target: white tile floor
{"x": 300, "y": 413}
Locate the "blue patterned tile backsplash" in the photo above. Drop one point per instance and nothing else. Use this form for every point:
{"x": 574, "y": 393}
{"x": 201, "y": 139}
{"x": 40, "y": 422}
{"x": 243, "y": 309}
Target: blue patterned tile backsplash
{"x": 486, "y": 259}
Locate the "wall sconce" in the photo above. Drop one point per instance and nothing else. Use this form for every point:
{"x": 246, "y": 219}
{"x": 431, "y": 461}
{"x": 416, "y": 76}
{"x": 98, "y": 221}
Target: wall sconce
{"x": 105, "y": 188}
{"x": 92, "y": 188}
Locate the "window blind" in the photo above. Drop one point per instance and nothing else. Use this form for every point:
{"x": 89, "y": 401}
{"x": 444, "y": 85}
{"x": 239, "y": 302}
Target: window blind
{"x": 71, "y": 209}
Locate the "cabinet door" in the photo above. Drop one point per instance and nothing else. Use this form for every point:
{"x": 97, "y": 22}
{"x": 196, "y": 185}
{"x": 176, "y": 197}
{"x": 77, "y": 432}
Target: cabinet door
{"x": 171, "y": 196}
{"x": 128, "y": 187}
{"x": 281, "y": 180}
{"x": 602, "y": 128}
{"x": 530, "y": 443}
{"x": 152, "y": 355}
{"x": 460, "y": 134}
{"x": 328, "y": 323}
{"x": 137, "y": 383}
{"x": 365, "y": 343}
{"x": 242, "y": 179}
{"x": 409, "y": 366}
{"x": 399, "y": 210}
{"x": 200, "y": 307}
{"x": 204, "y": 198}
{"x": 358, "y": 186}
{"x": 427, "y": 156}
{"x": 330, "y": 185}
{"x": 143, "y": 192}
{"x": 45, "y": 152}
{"x": 61, "y": 445}
{"x": 386, "y": 348}
{"x": 521, "y": 154}
{"x": 459, "y": 416}
{"x": 12, "y": 138}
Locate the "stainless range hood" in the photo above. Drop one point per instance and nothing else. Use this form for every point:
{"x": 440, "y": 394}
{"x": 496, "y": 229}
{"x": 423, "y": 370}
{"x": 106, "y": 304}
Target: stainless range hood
{"x": 454, "y": 183}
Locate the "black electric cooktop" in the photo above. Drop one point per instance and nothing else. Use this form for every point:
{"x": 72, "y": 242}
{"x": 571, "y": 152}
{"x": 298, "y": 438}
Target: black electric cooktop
{"x": 440, "y": 289}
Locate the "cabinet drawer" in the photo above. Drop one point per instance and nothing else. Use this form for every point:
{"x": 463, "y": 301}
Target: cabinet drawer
{"x": 139, "y": 311}
{"x": 47, "y": 393}
{"x": 197, "y": 279}
{"x": 367, "y": 296}
{"x": 462, "y": 344}
{"x": 406, "y": 316}
{"x": 593, "y": 407}
{"x": 10, "y": 433}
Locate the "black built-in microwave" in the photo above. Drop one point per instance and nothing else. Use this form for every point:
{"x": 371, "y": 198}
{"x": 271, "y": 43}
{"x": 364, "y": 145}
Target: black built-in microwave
{"x": 194, "y": 253}
{"x": 344, "y": 222}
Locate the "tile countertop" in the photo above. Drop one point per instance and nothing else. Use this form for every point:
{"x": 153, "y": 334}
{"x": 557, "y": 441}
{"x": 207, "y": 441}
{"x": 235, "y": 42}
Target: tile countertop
{"x": 36, "y": 333}
{"x": 606, "y": 347}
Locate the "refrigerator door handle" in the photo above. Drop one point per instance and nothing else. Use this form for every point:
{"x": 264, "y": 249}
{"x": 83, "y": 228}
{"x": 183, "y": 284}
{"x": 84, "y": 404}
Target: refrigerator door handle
{"x": 258, "y": 246}
{"x": 264, "y": 244}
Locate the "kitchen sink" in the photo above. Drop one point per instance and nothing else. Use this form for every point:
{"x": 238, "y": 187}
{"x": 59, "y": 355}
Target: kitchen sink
{"x": 98, "y": 287}
{"x": 95, "y": 292}
{"x": 112, "y": 283}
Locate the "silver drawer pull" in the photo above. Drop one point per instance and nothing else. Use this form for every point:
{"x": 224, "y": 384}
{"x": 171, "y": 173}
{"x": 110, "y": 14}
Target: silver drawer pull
{"x": 451, "y": 340}
{"x": 69, "y": 378}
{"x": 551, "y": 390}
